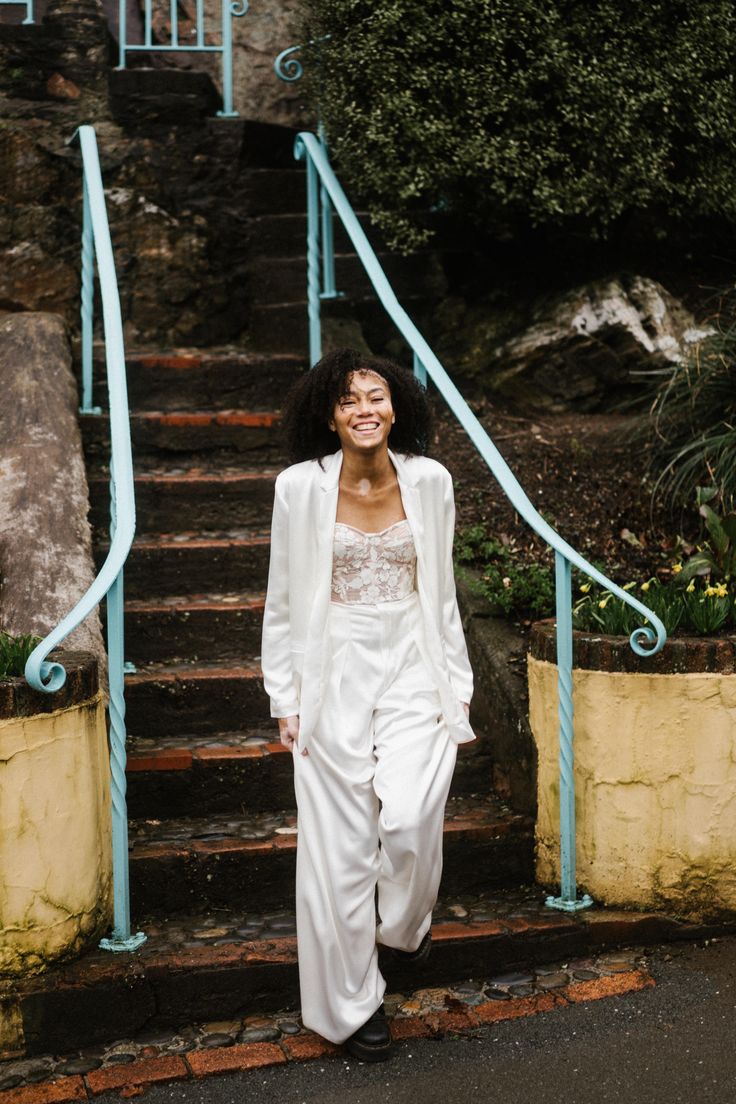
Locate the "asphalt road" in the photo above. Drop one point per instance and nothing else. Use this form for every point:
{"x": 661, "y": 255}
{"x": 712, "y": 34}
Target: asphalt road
{"x": 673, "y": 1042}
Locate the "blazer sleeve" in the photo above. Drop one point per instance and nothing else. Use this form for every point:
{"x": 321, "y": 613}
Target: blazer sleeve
{"x": 456, "y": 650}
{"x": 278, "y": 675}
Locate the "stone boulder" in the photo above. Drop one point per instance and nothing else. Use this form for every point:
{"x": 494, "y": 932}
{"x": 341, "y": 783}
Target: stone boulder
{"x": 578, "y": 351}
{"x": 46, "y": 561}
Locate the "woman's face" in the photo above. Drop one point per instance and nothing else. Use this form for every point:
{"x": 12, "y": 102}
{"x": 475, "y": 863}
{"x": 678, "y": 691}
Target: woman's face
{"x": 363, "y": 417}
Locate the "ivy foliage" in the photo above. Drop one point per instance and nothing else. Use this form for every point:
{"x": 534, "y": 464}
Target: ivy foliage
{"x": 534, "y": 110}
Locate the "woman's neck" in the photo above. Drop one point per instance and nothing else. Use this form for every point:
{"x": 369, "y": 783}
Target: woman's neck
{"x": 374, "y": 468}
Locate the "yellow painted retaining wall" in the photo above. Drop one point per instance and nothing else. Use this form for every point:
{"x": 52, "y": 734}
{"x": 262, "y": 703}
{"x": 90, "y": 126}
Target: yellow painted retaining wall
{"x": 55, "y": 835}
{"x": 655, "y": 776}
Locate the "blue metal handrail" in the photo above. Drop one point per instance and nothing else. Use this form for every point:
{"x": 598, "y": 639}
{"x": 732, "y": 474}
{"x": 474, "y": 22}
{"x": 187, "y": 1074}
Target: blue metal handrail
{"x": 320, "y": 174}
{"x": 27, "y": 4}
{"x": 229, "y": 9}
{"x": 39, "y": 673}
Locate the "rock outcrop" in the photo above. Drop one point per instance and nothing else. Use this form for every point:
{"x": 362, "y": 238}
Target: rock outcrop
{"x": 46, "y": 560}
{"x": 578, "y": 351}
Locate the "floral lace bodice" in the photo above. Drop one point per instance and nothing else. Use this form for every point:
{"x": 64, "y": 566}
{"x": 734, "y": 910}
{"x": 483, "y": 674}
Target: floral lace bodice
{"x": 373, "y": 567}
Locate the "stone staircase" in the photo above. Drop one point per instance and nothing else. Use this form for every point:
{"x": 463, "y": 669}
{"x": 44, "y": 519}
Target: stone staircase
{"x": 210, "y": 797}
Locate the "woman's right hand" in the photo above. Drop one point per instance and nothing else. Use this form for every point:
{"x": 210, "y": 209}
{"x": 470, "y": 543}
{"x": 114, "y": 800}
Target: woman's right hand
{"x": 289, "y": 732}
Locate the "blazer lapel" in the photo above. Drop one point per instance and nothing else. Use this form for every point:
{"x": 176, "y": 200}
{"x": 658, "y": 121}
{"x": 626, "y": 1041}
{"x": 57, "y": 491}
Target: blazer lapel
{"x": 326, "y": 511}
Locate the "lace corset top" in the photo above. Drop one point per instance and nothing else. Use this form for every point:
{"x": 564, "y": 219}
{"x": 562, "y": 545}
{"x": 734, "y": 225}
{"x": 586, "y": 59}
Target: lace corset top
{"x": 373, "y": 567}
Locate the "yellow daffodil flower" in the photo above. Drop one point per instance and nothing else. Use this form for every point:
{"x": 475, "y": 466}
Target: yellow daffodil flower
{"x": 628, "y": 586}
{"x": 690, "y": 587}
{"x": 585, "y": 587}
{"x": 676, "y": 569}
{"x": 645, "y": 586}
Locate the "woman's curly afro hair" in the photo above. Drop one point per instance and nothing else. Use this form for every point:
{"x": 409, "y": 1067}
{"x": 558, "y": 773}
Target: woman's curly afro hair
{"x": 310, "y": 404}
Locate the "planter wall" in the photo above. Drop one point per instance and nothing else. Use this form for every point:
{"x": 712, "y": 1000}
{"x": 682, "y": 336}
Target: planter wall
{"x": 55, "y": 828}
{"x": 655, "y": 770}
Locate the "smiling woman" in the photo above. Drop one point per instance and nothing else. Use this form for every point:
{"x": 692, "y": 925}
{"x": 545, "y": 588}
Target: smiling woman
{"x": 365, "y": 662}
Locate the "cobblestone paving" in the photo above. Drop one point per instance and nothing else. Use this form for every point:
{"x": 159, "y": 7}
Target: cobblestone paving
{"x": 263, "y": 826}
{"x": 222, "y": 927}
{"x": 283, "y": 1027}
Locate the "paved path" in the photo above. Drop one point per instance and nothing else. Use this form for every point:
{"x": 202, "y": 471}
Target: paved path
{"x": 675, "y": 1042}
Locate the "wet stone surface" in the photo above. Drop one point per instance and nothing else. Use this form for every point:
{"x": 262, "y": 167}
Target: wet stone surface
{"x": 472, "y": 810}
{"x": 281, "y": 1026}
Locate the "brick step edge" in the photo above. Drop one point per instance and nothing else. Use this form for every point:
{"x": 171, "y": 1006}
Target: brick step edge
{"x": 99, "y": 998}
{"x": 132, "y": 1077}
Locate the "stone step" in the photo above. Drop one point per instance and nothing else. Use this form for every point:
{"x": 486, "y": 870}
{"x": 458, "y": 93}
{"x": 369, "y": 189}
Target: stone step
{"x": 225, "y": 772}
{"x": 255, "y": 433}
{"x": 284, "y": 279}
{"x": 168, "y": 776}
{"x": 141, "y": 96}
{"x": 200, "y": 379}
{"x": 166, "y": 564}
{"x": 284, "y": 235}
{"x": 194, "y": 698}
{"x": 222, "y": 626}
{"x": 283, "y": 327}
{"x": 209, "y": 966}
{"x": 170, "y": 497}
{"x": 277, "y": 191}
{"x": 248, "y": 861}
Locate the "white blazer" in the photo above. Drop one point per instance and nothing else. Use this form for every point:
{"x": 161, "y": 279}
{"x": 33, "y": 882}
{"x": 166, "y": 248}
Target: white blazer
{"x": 300, "y": 583}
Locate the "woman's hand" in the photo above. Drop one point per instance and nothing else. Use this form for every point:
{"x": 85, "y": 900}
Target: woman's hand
{"x": 289, "y": 732}
{"x": 466, "y": 707}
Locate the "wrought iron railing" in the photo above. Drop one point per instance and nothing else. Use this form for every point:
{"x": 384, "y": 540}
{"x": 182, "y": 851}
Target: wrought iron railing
{"x": 49, "y": 677}
{"x": 320, "y": 176}
{"x": 189, "y": 39}
{"x": 289, "y": 68}
{"x": 27, "y": 4}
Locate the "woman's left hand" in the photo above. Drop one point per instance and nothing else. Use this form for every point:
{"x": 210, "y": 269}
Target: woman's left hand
{"x": 466, "y": 707}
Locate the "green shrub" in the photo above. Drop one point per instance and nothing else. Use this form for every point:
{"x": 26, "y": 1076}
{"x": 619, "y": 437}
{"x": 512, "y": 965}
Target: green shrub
{"x": 14, "y": 653}
{"x": 513, "y": 586}
{"x": 512, "y": 109}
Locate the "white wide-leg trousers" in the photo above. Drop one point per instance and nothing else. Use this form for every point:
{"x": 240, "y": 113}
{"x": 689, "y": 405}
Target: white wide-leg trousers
{"x": 371, "y": 795}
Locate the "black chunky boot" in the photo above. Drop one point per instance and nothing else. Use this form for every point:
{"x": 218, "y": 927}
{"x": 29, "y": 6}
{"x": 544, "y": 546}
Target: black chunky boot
{"x": 421, "y": 954}
{"x": 371, "y": 1042}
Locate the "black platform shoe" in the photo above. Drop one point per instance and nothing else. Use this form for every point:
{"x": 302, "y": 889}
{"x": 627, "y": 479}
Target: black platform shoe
{"x": 372, "y": 1042}
{"x": 421, "y": 954}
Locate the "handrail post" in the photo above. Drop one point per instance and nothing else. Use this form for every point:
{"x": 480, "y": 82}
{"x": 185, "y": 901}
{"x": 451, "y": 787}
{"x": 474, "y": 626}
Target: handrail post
{"x": 313, "y": 248}
{"x": 227, "y": 61}
{"x": 121, "y": 938}
{"x": 567, "y": 901}
{"x": 122, "y": 32}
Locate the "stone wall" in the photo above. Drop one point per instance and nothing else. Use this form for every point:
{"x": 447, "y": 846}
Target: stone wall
{"x": 46, "y": 561}
{"x": 655, "y": 772}
{"x": 55, "y": 829}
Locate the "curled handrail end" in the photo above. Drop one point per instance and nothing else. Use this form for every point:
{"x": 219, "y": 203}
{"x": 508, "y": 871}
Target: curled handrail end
{"x": 645, "y": 632}
{"x": 288, "y": 70}
{"x": 300, "y": 148}
{"x": 47, "y": 677}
